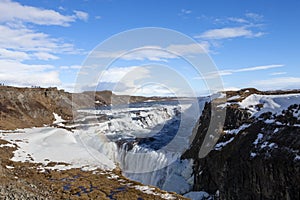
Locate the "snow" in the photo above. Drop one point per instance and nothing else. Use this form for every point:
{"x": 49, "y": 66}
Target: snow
{"x": 220, "y": 145}
{"x": 42, "y": 145}
{"x": 58, "y": 120}
{"x": 234, "y": 97}
{"x": 252, "y": 155}
{"x": 271, "y": 103}
{"x": 236, "y": 131}
{"x": 259, "y": 137}
{"x": 223, "y": 105}
{"x": 273, "y": 145}
{"x": 269, "y": 121}
{"x": 197, "y": 195}
{"x": 150, "y": 190}
{"x": 7, "y": 145}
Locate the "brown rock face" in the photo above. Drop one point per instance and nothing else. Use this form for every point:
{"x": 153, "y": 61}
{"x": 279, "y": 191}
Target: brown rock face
{"x": 248, "y": 168}
{"x": 28, "y": 107}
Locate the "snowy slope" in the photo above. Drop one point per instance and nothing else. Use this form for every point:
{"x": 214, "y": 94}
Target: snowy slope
{"x": 271, "y": 103}
{"x": 45, "y": 145}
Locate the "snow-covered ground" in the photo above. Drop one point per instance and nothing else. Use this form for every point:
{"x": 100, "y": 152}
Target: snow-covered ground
{"x": 271, "y": 103}
{"x": 49, "y": 144}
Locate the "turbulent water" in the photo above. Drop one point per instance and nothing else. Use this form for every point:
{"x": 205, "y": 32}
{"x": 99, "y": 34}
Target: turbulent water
{"x": 145, "y": 139}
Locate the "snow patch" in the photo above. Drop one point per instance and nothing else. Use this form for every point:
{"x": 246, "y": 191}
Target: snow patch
{"x": 234, "y": 98}
{"x": 58, "y": 120}
{"x": 236, "y": 131}
{"x": 252, "y": 155}
{"x": 220, "y": 145}
{"x": 151, "y": 190}
{"x": 259, "y": 137}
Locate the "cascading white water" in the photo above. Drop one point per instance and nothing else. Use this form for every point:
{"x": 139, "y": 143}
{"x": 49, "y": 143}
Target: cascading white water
{"x": 147, "y": 143}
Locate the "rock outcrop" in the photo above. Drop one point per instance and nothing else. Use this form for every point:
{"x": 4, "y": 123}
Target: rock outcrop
{"x": 257, "y": 158}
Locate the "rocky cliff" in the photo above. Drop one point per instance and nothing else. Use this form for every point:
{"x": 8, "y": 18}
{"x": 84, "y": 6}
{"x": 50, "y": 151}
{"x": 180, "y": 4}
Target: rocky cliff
{"x": 257, "y": 155}
{"x": 34, "y": 107}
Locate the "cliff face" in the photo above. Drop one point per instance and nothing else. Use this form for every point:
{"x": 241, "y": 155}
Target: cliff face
{"x": 34, "y": 107}
{"x": 256, "y": 157}
{"x": 28, "y": 107}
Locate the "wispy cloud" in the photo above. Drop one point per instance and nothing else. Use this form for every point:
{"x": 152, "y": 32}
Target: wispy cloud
{"x": 278, "y": 83}
{"x": 81, "y": 15}
{"x": 157, "y": 53}
{"x": 184, "y": 13}
{"x": 277, "y": 73}
{"x": 227, "y": 33}
{"x": 246, "y": 26}
{"x": 14, "y": 11}
{"x": 237, "y": 19}
{"x": 263, "y": 67}
{"x": 216, "y": 74}
{"x": 254, "y": 16}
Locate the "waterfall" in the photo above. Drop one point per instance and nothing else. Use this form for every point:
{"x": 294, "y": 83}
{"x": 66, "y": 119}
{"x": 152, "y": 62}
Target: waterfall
{"x": 147, "y": 142}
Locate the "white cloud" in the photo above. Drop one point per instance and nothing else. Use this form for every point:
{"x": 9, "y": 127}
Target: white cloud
{"x": 13, "y": 11}
{"x": 263, "y": 67}
{"x": 98, "y": 17}
{"x": 157, "y": 53}
{"x": 238, "y": 20}
{"x": 71, "y": 67}
{"x": 154, "y": 89}
{"x": 14, "y": 55}
{"x": 277, "y": 73}
{"x": 278, "y": 83}
{"x": 216, "y": 74}
{"x": 19, "y": 74}
{"x": 81, "y": 15}
{"x": 254, "y": 16}
{"x": 61, "y": 8}
{"x": 185, "y": 11}
{"x": 45, "y": 56}
{"x": 189, "y": 49}
{"x": 225, "y": 33}
{"x": 119, "y": 74}
{"x": 24, "y": 39}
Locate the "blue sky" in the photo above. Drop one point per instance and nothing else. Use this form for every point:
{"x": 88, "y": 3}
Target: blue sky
{"x": 252, "y": 43}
